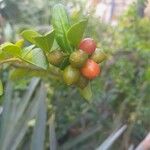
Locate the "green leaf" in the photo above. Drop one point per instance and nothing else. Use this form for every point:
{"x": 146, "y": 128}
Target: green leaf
{"x": 2, "y": 57}
{"x": 35, "y": 56}
{"x": 64, "y": 63}
{"x": 22, "y": 73}
{"x": 6, "y": 116}
{"x": 39, "y": 59}
{"x": 86, "y": 92}
{"x": 52, "y": 133}
{"x": 45, "y": 42}
{"x": 16, "y": 114}
{"x": 29, "y": 35}
{"x": 107, "y": 144}
{"x": 20, "y": 43}
{"x": 30, "y": 112}
{"x": 9, "y": 49}
{"x": 75, "y": 33}
{"x": 26, "y": 98}
{"x": 17, "y": 74}
{"x": 61, "y": 25}
{"x": 1, "y": 88}
{"x": 38, "y": 136}
{"x": 70, "y": 144}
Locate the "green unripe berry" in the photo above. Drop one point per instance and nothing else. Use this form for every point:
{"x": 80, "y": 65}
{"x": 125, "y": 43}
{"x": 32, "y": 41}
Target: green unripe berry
{"x": 99, "y": 56}
{"x": 78, "y": 58}
{"x": 71, "y": 75}
{"x": 55, "y": 57}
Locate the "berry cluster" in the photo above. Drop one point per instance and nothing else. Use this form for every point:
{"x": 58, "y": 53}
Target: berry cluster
{"x": 83, "y": 63}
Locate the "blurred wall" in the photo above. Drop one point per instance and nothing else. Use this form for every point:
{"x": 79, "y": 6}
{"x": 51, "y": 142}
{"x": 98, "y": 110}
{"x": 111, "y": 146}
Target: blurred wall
{"x": 109, "y": 10}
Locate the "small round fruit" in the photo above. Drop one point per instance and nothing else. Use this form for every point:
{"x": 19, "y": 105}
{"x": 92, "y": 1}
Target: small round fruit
{"x": 78, "y": 58}
{"x": 90, "y": 70}
{"x": 71, "y": 75}
{"x": 55, "y": 57}
{"x": 88, "y": 45}
{"x": 82, "y": 82}
{"x": 98, "y": 56}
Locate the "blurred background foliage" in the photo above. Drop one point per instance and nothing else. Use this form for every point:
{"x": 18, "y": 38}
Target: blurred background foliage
{"x": 121, "y": 94}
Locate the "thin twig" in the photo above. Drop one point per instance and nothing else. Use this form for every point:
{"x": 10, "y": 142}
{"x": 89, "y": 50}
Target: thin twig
{"x": 10, "y": 60}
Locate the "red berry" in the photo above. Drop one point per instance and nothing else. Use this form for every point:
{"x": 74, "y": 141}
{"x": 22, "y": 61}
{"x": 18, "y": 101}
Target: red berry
{"x": 90, "y": 70}
{"x": 88, "y": 45}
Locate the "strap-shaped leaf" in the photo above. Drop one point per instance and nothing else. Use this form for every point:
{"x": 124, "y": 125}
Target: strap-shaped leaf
{"x": 61, "y": 25}
{"x": 82, "y": 137}
{"x": 1, "y": 88}
{"x": 38, "y": 136}
{"x": 52, "y": 133}
{"x": 9, "y": 49}
{"x": 35, "y": 56}
{"x": 21, "y": 127}
{"x": 107, "y": 144}
{"x": 29, "y": 35}
{"x": 45, "y": 42}
{"x": 16, "y": 115}
{"x": 86, "y": 92}
{"x": 75, "y": 33}
{"x": 6, "y": 115}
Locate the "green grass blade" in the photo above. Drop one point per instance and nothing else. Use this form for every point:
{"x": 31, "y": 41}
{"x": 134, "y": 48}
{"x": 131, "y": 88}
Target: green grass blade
{"x": 112, "y": 138}
{"x": 90, "y": 132}
{"x": 40, "y": 126}
{"x": 52, "y": 134}
{"x": 26, "y": 98}
{"x": 22, "y": 125}
{"x": 6, "y": 116}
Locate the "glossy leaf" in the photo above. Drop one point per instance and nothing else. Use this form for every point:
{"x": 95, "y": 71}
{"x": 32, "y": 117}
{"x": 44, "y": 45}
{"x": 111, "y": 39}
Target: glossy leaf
{"x": 61, "y": 25}
{"x": 75, "y": 33}
{"x": 29, "y": 35}
{"x": 35, "y": 56}
{"x": 86, "y": 92}
{"x": 9, "y": 49}
{"x": 1, "y": 88}
{"x": 1, "y": 55}
{"x": 45, "y": 42}
{"x": 20, "y": 43}
{"x": 39, "y": 59}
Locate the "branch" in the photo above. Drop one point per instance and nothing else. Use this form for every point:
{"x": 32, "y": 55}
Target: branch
{"x": 25, "y": 66}
{"x": 10, "y": 60}
{"x": 17, "y": 63}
